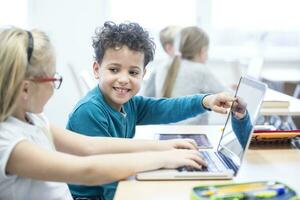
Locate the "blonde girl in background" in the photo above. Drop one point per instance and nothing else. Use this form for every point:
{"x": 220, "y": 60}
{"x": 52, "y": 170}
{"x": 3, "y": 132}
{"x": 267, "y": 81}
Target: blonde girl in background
{"x": 187, "y": 73}
{"x": 36, "y": 158}
{"x": 167, "y": 38}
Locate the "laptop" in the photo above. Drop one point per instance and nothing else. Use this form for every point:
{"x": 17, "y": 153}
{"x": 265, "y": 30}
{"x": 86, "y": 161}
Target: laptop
{"x": 225, "y": 161}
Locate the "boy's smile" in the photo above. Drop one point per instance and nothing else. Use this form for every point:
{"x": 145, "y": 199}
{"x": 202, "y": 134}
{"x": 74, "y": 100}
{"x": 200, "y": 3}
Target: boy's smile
{"x": 120, "y": 75}
{"x": 121, "y": 91}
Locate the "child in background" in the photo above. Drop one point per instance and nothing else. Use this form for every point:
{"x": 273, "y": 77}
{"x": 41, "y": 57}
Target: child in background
{"x": 112, "y": 110}
{"x": 167, "y": 38}
{"x": 36, "y": 158}
{"x": 187, "y": 73}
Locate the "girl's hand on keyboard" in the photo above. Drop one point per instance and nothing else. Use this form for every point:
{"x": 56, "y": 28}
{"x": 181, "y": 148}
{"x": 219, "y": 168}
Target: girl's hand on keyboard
{"x": 179, "y": 144}
{"x": 182, "y": 157}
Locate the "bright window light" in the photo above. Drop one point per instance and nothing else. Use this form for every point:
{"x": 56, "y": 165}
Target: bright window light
{"x": 260, "y": 15}
{"x": 154, "y": 14}
{"x": 13, "y": 12}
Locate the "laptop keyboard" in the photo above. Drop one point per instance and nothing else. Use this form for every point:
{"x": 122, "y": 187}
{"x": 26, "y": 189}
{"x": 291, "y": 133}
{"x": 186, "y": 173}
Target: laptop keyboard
{"x": 213, "y": 164}
{"x": 201, "y": 139}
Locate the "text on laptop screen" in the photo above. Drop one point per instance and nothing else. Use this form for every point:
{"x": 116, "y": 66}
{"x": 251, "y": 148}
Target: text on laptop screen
{"x": 241, "y": 120}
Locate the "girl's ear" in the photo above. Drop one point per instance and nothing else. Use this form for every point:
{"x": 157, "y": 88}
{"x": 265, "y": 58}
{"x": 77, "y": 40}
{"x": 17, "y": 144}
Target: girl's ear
{"x": 25, "y": 89}
{"x": 96, "y": 69}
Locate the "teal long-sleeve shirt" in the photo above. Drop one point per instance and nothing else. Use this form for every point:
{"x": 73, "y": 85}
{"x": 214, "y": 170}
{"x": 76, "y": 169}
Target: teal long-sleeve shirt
{"x": 93, "y": 116}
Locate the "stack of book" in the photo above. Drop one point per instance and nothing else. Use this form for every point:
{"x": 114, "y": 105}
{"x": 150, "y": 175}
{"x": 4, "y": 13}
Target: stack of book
{"x": 275, "y": 104}
{"x": 274, "y": 99}
{"x": 274, "y": 136}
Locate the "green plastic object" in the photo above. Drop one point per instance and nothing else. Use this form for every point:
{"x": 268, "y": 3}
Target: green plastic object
{"x": 270, "y": 190}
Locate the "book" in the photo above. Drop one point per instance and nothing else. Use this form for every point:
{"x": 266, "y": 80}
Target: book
{"x": 274, "y": 134}
{"x": 275, "y": 104}
{"x": 274, "y": 139}
{"x": 274, "y": 99}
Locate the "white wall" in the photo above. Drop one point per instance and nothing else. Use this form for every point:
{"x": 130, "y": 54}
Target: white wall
{"x": 70, "y": 25}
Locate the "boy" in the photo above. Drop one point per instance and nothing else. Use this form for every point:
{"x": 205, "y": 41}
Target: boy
{"x": 112, "y": 110}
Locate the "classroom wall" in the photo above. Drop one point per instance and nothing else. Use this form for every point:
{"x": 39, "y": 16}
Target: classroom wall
{"x": 71, "y": 24}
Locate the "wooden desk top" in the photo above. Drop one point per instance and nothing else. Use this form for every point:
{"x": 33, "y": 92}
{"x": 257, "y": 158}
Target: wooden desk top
{"x": 292, "y": 110}
{"x": 269, "y": 164}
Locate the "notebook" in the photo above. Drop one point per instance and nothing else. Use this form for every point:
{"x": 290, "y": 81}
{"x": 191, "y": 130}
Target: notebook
{"x": 201, "y": 139}
{"x": 226, "y": 160}
{"x": 275, "y": 104}
{"x": 274, "y": 138}
{"x": 275, "y": 100}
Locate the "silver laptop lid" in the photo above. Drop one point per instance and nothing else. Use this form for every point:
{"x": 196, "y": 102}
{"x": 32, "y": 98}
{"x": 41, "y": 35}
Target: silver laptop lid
{"x": 237, "y": 133}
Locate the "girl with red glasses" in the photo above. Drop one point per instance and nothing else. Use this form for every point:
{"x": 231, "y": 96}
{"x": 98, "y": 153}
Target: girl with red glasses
{"x": 37, "y": 158}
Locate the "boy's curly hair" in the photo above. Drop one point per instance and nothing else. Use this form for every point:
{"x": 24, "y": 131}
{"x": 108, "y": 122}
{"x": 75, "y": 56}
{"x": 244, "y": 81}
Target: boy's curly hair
{"x": 132, "y": 35}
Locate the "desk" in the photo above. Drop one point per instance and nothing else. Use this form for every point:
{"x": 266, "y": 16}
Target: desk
{"x": 292, "y": 110}
{"x": 278, "y": 164}
{"x": 281, "y": 74}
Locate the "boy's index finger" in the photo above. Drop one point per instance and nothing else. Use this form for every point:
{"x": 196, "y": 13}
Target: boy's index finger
{"x": 229, "y": 99}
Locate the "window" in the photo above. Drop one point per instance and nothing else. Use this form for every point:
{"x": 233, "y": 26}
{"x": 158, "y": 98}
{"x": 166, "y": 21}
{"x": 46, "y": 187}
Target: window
{"x": 13, "y": 12}
{"x": 257, "y": 28}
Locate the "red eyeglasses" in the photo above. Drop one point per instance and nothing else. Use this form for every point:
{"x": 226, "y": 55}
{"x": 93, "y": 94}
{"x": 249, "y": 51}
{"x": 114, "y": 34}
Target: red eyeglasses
{"x": 56, "y": 79}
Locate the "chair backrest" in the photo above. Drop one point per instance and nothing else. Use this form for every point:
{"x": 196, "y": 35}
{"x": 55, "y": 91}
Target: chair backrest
{"x": 297, "y": 91}
{"x": 88, "y": 80}
{"x": 76, "y": 79}
{"x": 84, "y": 80}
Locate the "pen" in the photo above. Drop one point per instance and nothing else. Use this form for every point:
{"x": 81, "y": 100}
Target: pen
{"x": 241, "y": 188}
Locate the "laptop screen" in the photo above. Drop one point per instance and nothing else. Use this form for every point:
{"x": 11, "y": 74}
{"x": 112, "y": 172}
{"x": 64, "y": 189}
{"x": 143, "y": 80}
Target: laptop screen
{"x": 241, "y": 120}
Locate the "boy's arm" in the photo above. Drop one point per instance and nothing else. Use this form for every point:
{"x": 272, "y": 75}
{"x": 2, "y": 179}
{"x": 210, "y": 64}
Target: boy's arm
{"x": 242, "y": 128}
{"x": 77, "y": 144}
{"x": 167, "y": 110}
{"x": 162, "y": 111}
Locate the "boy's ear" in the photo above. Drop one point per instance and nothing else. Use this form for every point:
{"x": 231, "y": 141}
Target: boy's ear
{"x": 96, "y": 68}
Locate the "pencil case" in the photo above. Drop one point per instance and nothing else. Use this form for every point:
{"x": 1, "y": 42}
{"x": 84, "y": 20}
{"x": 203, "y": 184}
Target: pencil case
{"x": 270, "y": 190}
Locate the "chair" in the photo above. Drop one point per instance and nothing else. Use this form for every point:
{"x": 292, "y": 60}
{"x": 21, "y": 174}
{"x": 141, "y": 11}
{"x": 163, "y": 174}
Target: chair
{"x": 297, "y": 91}
{"x": 287, "y": 122}
{"x": 255, "y": 67}
{"x": 88, "y": 80}
{"x": 84, "y": 80}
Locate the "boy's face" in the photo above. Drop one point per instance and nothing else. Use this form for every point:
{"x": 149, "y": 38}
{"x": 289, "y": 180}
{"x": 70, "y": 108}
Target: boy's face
{"x": 120, "y": 75}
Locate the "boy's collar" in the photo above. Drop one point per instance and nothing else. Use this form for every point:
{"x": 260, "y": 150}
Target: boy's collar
{"x": 122, "y": 111}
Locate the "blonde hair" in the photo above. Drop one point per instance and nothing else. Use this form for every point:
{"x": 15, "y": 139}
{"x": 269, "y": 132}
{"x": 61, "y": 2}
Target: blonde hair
{"x": 14, "y": 66}
{"x": 167, "y": 35}
{"x": 192, "y": 40}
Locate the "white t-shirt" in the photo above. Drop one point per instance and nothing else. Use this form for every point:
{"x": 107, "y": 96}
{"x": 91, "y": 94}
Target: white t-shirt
{"x": 13, "y": 187}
